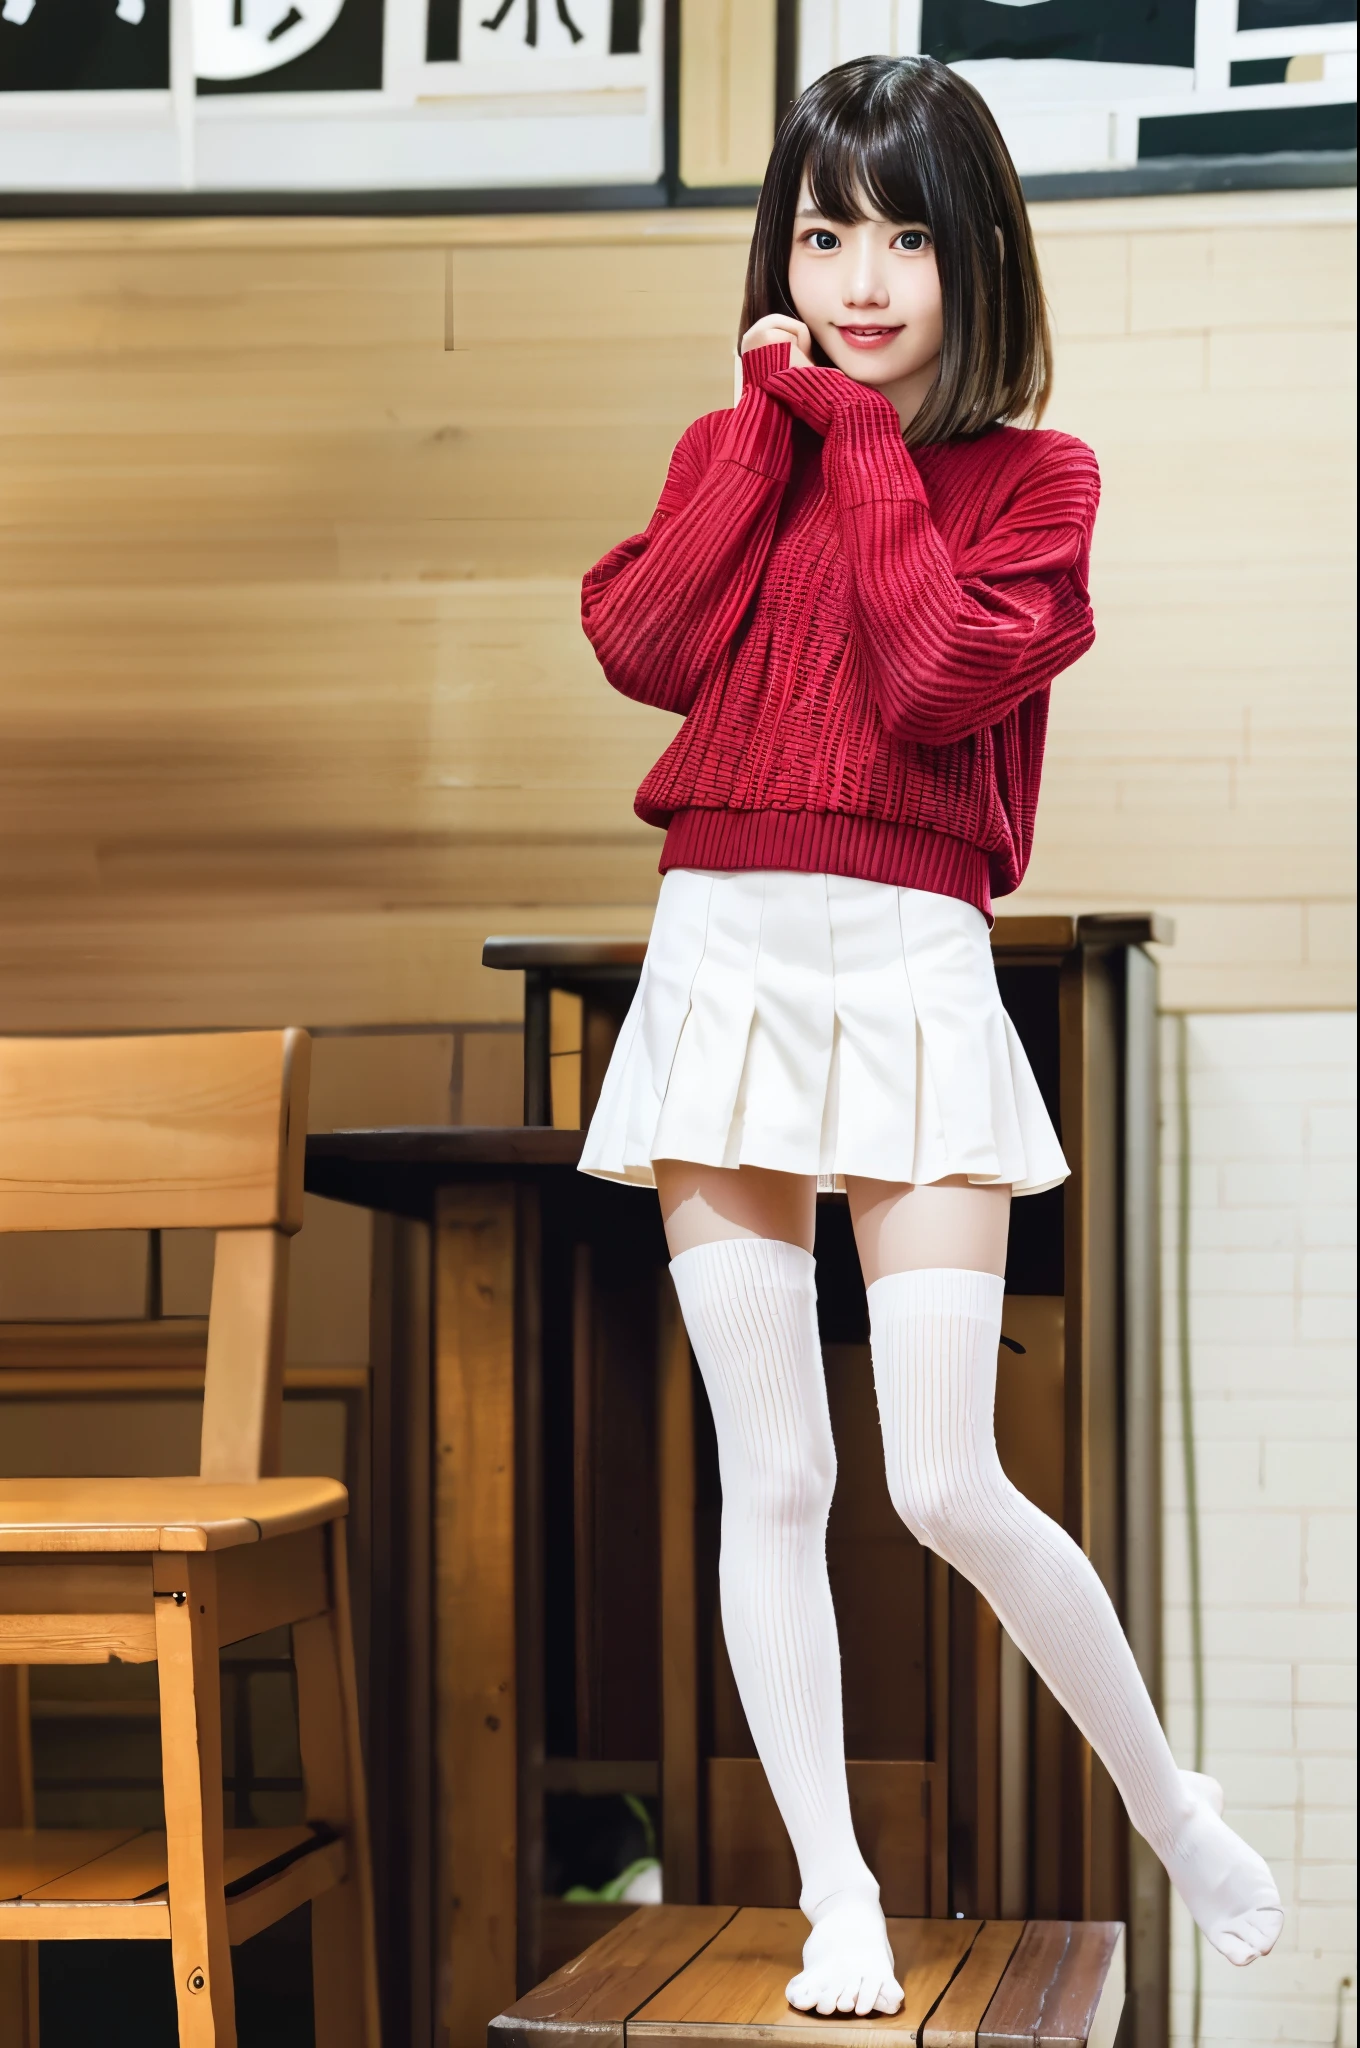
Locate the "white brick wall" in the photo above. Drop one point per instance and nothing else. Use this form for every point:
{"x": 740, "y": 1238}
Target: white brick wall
{"x": 1272, "y": 1307}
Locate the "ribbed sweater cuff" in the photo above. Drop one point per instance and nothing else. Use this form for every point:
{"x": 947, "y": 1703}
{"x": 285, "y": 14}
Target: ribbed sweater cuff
{"x": 866, "y": 460}
{"x": 757, "y": 435}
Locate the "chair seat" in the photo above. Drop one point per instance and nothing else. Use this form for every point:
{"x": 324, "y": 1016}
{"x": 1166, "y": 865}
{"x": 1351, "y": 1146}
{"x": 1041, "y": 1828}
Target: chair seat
{"x": 160, "y": 1514}
{"x": 115, "y": 1881}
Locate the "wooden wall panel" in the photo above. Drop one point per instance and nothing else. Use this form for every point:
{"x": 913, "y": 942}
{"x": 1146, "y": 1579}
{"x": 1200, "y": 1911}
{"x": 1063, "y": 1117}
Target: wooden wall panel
{"x": 296, "y": 707}
{"x": 727, "y": 90}
{"x": 1201, "y": 757}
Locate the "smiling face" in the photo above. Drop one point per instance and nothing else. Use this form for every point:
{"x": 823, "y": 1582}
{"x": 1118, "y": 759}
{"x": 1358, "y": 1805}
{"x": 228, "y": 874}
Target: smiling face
{"x": 869, "y": 292}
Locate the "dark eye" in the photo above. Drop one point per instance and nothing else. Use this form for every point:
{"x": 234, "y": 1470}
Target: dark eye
{"x": 913, "y": 240}
{"x": 822, "y": 238}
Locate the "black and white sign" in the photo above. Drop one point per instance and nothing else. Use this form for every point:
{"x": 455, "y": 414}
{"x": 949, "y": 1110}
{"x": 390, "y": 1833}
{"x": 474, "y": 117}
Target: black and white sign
{"x": 1089, "y": 85}
{"x": 329, "y": 95}
{"x": 84, "y": 45}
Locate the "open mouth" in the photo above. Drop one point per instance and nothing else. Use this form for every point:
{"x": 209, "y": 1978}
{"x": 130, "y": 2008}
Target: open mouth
{"x": 864, "y": 336}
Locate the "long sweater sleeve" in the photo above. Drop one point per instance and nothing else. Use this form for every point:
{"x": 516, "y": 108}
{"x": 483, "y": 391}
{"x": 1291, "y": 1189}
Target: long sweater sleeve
{"x": 948, "y": 647}
{"x": 661, "y": 609}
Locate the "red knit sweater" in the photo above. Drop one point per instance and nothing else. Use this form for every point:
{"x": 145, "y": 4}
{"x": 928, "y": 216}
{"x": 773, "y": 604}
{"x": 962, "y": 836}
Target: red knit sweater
{"x": 862, "y": 638}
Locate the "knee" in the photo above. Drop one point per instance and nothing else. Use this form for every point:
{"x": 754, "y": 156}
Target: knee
{"x": 791, "y": 1489}
{"x": 944, "y": 1508}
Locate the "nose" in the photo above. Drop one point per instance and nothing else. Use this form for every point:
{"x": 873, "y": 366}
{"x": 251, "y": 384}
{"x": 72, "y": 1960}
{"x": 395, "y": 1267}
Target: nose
{"x": 866, "y": 284}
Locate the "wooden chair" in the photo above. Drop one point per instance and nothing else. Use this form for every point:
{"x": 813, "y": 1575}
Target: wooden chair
{"x": 170, "y": 1133}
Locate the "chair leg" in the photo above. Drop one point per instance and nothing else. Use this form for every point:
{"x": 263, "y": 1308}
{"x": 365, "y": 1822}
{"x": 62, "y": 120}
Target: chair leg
{"x": 191, "y": 1768}
{"x": 18, "y": 1959}
{"x": 344, "y": 1948}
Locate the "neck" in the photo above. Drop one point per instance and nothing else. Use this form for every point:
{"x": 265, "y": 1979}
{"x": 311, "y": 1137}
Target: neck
{"x": 909, "y": 393}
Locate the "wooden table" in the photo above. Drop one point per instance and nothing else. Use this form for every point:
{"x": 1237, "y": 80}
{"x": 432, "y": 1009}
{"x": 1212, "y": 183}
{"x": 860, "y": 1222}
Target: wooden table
{"x": 537, "y": 1313}
{"x": 714, "y": 1976}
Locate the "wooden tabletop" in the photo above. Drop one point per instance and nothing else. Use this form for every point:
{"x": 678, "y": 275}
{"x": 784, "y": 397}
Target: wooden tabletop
{"x": 562, "y": 957}
{"x": 400, "y": 1169}
{"x": 714, "y": 1977}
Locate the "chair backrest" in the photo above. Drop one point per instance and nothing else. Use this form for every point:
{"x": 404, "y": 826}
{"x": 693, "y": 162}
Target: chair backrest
{"x": 202, "y": 1131}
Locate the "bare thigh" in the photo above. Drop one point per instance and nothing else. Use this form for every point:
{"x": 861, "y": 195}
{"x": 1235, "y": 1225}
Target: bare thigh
{"x": 706, "y": 1204}
{"x": 901, "y": 1229}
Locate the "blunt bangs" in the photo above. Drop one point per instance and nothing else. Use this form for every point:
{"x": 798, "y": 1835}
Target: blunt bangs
{"x": 911, "y": 140}
{"x": 848, "y": 163}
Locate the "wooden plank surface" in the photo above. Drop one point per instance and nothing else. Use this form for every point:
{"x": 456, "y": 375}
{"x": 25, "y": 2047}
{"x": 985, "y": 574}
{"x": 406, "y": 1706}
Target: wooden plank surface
{"x": 140, "y": 1133}
{"x": 75, "y": 1920}
{"x": 242, "y": 1433}
{"x": 136, "y": 1867}
{"x": 1064, "y": 1986}
{"x": 475, "y": 1661}
{"x": 955, "y": 2021}
{"x": 77, "y": 1638}
{"x": 600, "y": 1989}
{"x": 44, "y": 1584}
{"x": 158, "y": 1514}
{"x": 263, "y": 1586}
{"x": 233, "y": 437}
{"x": 33, "y": 1857}
{"x": 735, "y": 1990}
{"x": 310, "y": 1877}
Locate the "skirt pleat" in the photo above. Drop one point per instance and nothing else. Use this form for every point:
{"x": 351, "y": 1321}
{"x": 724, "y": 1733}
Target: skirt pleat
{"x": 818, "y": 1024}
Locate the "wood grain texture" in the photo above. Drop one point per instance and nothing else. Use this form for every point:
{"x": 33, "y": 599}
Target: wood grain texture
{"x": 191, "y": 1775}
{"x": 750, "y": 1858}
{"x": 52, "y": 1585}
{"x": 727, "y": 86}
{"x": 735, "y": 1989}
{"x": 243, "y": 1387}
{"x": 139, "y": 1866}
{"x": 177, "y": 1344}
{"x": 137, "y": 1133}
{"x": 955, "y": 2020}
{"x": 77, "y": 1639}
{"x": 75, "y": 1920}
{"x": 475, "y": 1661}
{"x": 1064, "y": 1985}
{"x": 77, "y": 1515}
{"x": 266, "y": 1585}
{"x": 344, "y": 1954}
{"x": 591, "y": 1997}
{"x": 33, "y": 1857}
{"x": 253, "y": 476}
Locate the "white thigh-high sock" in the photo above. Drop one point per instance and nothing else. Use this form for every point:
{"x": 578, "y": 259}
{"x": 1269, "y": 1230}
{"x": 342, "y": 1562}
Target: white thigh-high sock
{"x": 750, "y": 1307}
{"x": 935, "y": 1336}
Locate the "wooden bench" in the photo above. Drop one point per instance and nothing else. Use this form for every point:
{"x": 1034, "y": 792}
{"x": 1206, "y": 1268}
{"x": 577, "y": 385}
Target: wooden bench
{"x": 714, "y": 1977}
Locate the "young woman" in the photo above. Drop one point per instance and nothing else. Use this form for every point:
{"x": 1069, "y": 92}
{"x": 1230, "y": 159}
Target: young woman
{"x": 857, "y": 587}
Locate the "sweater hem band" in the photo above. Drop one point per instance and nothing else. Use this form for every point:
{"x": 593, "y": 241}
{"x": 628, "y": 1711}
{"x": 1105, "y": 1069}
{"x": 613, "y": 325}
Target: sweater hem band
{"x": 830, "y": 843}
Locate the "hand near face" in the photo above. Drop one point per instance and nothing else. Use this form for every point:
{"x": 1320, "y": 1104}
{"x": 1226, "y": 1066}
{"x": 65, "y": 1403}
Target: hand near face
{"x": 776, "y": 327}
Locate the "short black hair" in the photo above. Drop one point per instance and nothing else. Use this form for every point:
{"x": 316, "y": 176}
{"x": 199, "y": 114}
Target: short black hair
{"x": 916, "y": 142}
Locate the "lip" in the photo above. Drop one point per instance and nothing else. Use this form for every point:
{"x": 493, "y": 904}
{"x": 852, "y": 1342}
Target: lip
{"x": 866, "y": 337}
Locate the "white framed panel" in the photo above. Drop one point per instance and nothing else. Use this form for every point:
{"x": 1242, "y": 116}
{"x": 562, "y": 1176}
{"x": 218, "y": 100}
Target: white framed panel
{"x": 1072, "y": 114}
{"x": 563, "y": 109}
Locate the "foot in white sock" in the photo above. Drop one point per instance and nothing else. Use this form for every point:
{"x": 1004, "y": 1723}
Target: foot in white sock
{"x": 750, "y": 1308}
{"x": 847, "y": 1961}
{"x": 935, "y": 1336}
{"x": 1226, "y": 1885}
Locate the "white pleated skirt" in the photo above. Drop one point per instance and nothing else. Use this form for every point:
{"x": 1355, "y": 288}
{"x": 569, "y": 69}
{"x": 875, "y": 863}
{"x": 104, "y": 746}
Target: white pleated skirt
{"x": 817, "y": 1024}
